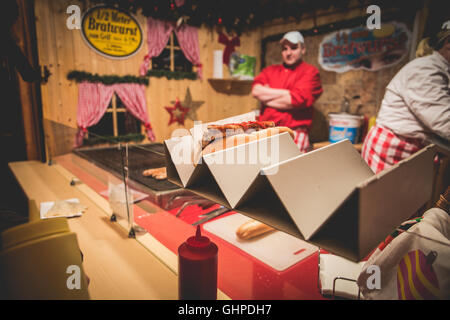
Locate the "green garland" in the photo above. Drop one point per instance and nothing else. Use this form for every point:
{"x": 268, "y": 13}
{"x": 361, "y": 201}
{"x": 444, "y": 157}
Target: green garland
{"x": 80, "y": 76}
{"x": 136, "y": 137}
{"x": 234, "y": 15}
{"x": 177, "y": 75}
{"x": 240, "y": 16}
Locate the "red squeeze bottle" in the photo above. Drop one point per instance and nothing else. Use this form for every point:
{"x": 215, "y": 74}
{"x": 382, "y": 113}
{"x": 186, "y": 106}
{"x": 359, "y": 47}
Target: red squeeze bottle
{"x": 197, "y": 269}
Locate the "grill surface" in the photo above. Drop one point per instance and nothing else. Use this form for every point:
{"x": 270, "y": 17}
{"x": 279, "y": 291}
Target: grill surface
{"x": 109, "y": 158}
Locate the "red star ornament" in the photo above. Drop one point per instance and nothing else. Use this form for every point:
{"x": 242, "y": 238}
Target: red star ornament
{"x": 177, "y": 113}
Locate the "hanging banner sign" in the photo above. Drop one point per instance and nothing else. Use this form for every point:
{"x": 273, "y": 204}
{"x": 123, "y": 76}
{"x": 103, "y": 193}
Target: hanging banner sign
{"x": 111, "y": 32}
{"x": 361, "y": 48}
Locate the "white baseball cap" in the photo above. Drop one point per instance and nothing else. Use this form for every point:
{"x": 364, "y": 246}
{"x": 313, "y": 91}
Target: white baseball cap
{"x": 293, "y": 37}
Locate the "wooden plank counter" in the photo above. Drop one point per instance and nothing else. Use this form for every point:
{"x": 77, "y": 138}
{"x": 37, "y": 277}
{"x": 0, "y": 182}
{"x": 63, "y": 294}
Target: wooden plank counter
{"x": 118, "y": 267}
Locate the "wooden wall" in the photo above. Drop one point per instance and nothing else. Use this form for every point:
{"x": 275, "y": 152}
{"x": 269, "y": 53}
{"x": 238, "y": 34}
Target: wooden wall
{"x": 63, "y": 50}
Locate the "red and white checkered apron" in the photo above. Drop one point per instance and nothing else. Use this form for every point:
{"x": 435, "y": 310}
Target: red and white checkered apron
{"x": 301, "y": 139}
{"x": 382, "y": 148}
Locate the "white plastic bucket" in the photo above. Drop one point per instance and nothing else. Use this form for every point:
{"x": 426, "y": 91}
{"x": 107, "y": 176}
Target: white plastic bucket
{"x": 344, "y": 126}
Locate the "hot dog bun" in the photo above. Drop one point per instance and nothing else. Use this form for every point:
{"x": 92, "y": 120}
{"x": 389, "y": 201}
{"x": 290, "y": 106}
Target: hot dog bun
{"x": 272, "y": 132}
{"x": 216, "y": 131}
{"x": 238, "y": 139}
{"x": 228, "y": 142}
{"x": 251, "y": 229}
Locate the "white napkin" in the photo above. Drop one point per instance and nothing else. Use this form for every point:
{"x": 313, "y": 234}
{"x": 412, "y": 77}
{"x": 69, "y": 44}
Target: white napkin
{"x": 331, "y": 267}
{"x": 118, "y": 200}
{"x": 46, "y": 206}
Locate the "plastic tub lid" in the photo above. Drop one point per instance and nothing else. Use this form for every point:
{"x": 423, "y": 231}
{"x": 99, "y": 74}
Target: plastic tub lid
{"x": 345, "y": 115}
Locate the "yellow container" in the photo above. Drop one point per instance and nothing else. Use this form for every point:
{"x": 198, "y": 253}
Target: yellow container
{"x": 372, "y": 122}
{"x": 41, "y": 260}
{"x": 33, "y": 211}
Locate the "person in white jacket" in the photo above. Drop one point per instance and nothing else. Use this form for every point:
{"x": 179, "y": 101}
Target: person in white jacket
{"x": 415, "y": 110}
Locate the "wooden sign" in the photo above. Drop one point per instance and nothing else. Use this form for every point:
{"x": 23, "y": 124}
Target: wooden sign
{"x": 111, "y": 32}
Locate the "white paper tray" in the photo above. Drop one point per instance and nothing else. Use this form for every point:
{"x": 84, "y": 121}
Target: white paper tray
{"x": 46, "y": 206}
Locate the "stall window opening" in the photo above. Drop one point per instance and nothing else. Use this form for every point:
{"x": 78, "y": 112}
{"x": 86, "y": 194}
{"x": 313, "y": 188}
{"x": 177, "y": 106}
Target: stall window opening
{"x": 171, "y": 58}
{"x": 117, "y": 121}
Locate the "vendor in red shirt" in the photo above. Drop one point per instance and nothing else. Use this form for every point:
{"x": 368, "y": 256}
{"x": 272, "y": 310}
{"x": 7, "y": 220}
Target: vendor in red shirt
{"x": 288, "y": 91}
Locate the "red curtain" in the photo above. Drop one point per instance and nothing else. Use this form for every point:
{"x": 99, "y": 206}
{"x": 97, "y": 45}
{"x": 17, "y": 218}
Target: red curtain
{"x": 133, "y": 97}
{"x": 188, "y": 39}
{"x": 158, "y": 33}
{"x": 94, "y": 98}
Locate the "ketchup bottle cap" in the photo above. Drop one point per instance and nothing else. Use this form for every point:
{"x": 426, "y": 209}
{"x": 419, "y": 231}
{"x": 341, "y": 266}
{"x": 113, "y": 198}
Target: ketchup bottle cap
{"x": 198, "y": 241}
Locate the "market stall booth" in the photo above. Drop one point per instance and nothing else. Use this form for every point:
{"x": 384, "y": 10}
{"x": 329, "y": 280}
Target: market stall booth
{"x": 129, "y": 93}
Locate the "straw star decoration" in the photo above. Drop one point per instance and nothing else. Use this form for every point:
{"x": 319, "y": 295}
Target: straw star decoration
{"x": 177, "y": 113}
{"x": 191, "y": 105}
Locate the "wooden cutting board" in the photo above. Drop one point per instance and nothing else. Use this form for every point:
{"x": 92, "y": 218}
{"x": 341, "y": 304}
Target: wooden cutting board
{"x": 277, "y": 249}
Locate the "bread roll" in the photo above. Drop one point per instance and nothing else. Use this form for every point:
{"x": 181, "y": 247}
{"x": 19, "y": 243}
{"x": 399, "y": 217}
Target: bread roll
{"x": 228, "y": 142}
{"x": 251, "y": 229}
{"x": 238, "y": 139}
{"x": 272, "y": 132}
{"x": 215, "y": 134}
{"x": 220, "y": 131}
